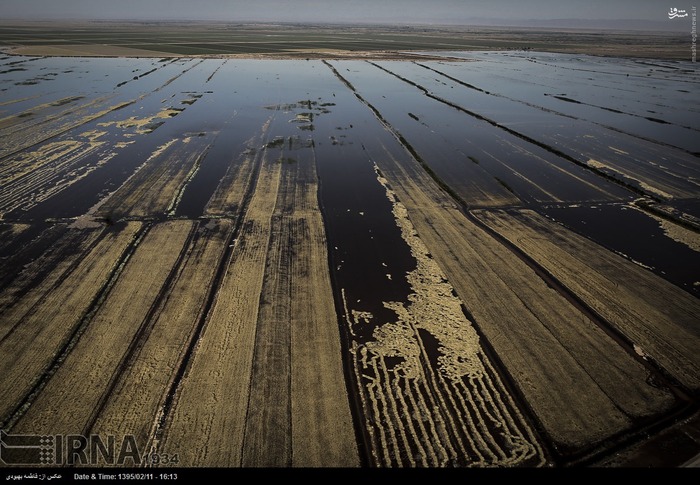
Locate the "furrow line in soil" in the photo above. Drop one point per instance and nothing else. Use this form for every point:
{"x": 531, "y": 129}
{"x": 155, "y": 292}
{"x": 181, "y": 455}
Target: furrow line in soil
{"x": 67, "y": 401}
{"x": 82, "y": 294}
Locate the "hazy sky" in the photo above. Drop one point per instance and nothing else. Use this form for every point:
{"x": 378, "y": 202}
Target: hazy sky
{"x": 406, "y": 11}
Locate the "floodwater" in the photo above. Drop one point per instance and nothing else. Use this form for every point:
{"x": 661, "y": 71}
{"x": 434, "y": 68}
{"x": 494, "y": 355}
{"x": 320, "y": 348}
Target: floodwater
{"x": 500, "y": 129}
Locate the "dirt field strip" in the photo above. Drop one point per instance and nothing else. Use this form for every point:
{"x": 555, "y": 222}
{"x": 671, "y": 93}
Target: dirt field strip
{"x": 659, "y": 318}
{"x": 29, "y": 258}
{"x": 442, "y": 404}
{"x": 53, "y": 114}
{"x": 31, "y": 137}
{"x": 202, "y": 39}
{"x": 10, "y": 231}
{"x": 298, "y": 407}
{"x": 604, "y": 194}
{"x": 43, "y": 325}
{"x": 229, "y": 194}
{"x": 38, "y": 114}
{"x": 530, "y": 174}
{"x": 151, "y": 369}
{"x": 322, "y": 427}
{"x": 229, "y": 418}
{"x": 90, "y": 50}
{"x": 268, "y": 434}
{"x": 18, "y": 100}
{"x": 48, "y": 174}
{"x": 71, "y": 396}
{"x": 12, "y": 246}
{"x": 543, "y": 341}
{"x": 47, "y": 127}
{"x": 154, "y": 188}
{"x": 521, "y": 134}
{"x": 143, "y": 125}
{"x": 26, "y": 164}
{"x": 41, "y": 276}
{"x": 207, "y": 423}
{"x": 676, "y": 232}
{"x": 194, "y": 169}
{"x": 641, "y": 174}
{"x": 655, "y": 186}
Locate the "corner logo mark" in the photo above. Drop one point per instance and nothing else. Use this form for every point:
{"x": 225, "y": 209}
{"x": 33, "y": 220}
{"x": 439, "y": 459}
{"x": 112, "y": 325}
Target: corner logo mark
{"x": 17, "y": 449}
{"x": 95, "y": 450}
{"x": 675, "y": 13}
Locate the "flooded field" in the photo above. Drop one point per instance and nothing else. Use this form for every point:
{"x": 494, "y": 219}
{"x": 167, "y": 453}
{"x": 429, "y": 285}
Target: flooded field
{"x": 472, "y": 259}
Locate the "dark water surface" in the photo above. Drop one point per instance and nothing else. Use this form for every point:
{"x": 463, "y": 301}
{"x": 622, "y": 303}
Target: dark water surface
{"x": 518, "y": 126}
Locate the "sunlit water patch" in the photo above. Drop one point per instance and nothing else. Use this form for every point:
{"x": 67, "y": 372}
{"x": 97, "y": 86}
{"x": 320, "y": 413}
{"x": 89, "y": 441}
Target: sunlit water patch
{"x": 661, "y": 246}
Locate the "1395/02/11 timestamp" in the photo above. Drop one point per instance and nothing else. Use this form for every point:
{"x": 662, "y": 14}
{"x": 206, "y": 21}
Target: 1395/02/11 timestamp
{"x": 147, "y": 476}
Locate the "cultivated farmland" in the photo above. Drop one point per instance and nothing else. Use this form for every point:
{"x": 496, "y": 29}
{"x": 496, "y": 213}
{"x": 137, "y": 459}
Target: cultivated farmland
{"x": 468, "y": 259}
